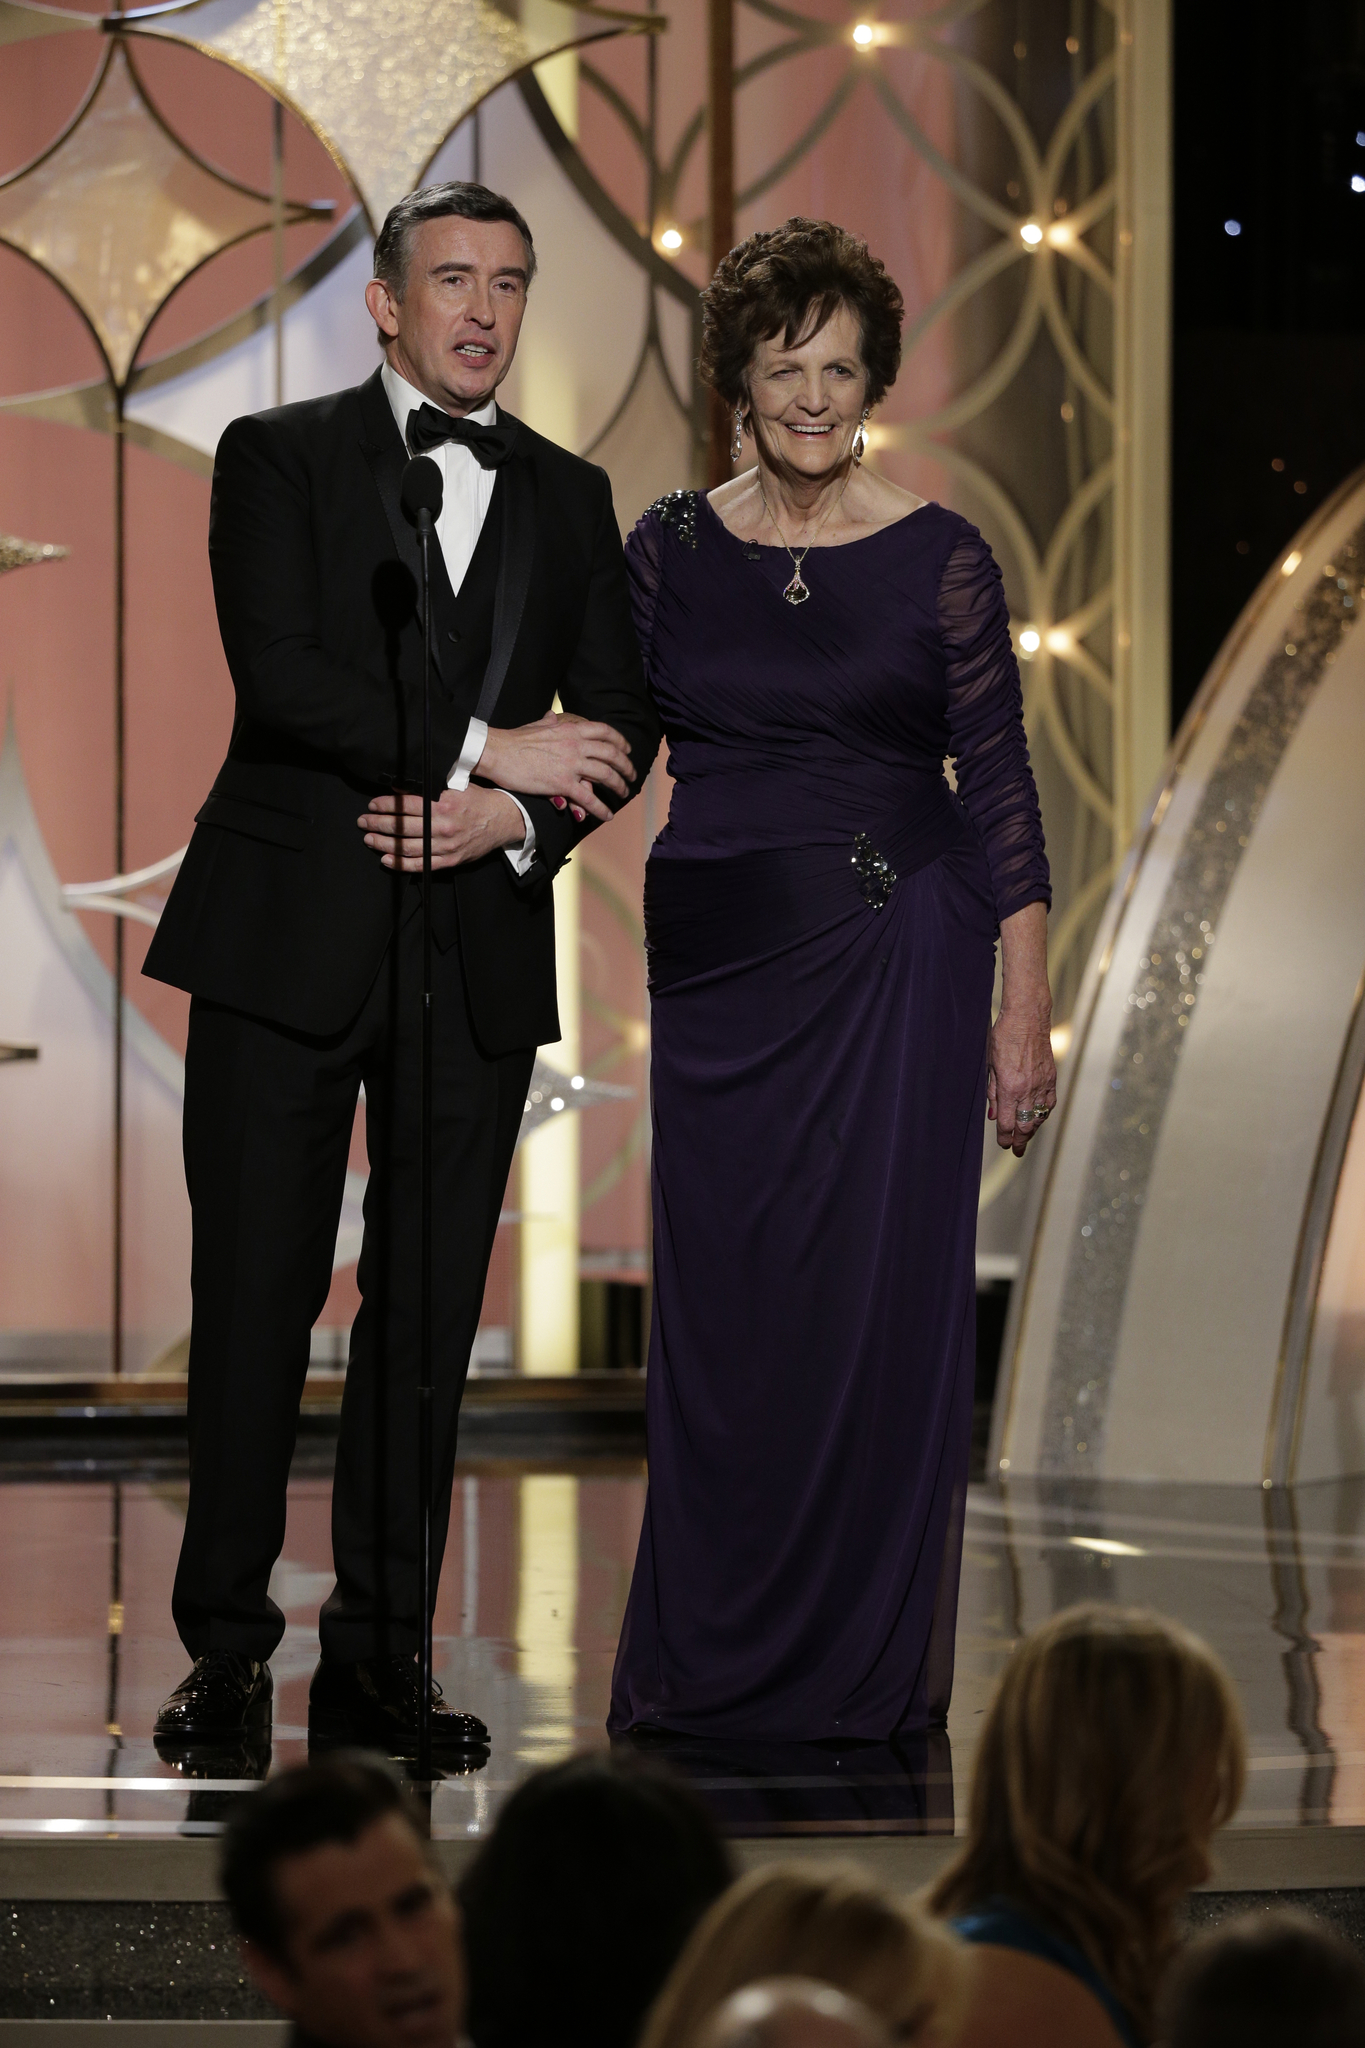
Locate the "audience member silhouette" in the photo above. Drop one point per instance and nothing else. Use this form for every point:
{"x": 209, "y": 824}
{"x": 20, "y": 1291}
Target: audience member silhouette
{"x": 828, "y": 1924}
{"x": 580, "y": 1901}
{"x": 1268, "y": 1980}
{"x": 1111, "y": 1753}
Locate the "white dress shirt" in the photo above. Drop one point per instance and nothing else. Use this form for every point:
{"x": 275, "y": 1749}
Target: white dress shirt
{"x": 467, "y": 494}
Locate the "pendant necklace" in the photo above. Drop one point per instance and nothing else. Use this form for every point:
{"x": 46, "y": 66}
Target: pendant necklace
{"x": 797, "y": 591}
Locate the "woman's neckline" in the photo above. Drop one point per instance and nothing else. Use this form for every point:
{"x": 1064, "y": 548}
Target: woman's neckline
{"x": 829, "y": 547}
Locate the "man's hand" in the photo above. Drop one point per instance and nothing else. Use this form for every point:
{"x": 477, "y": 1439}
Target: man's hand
{"x": 465, "y": 825}
{"x": 560, "y": 756}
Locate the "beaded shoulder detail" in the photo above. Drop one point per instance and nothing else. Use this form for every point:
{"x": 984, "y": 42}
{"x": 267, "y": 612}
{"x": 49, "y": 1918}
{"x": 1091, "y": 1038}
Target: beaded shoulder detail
{"x": 678, "y": 510}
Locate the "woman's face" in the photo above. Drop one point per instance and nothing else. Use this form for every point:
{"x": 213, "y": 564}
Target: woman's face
{"x": 806, "y": 401}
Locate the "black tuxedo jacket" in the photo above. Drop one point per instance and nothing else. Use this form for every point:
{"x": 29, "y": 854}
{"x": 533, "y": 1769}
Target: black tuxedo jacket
{"x": 280, "y": 908}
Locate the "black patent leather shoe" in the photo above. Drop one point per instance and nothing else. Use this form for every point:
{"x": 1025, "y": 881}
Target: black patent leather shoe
{"x": 376, "y": 1702}
{"x": 224, "y": 1695}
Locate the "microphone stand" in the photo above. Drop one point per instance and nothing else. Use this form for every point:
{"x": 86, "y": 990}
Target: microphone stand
{"x": 424, "y": 1383}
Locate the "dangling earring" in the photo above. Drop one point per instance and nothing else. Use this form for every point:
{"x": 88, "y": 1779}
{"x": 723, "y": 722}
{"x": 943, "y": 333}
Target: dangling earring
{"x": 737, "y": 438}
{"x": 860, "y": 438}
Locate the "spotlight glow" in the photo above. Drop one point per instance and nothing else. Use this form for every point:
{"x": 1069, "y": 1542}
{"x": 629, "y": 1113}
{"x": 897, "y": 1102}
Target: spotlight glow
{"x": 1232, "y": 227}
{"x": 1290, "y": 563}
{"x": 670, "y": 239}
{"x": 1058, "y": 640}
{"x": 1031, "y": 233}
{"x": 1060, "y": 235}
{"x": 863, "y": 35}
{"x": 1358, "y": 183}
{"x": 1030, "y": 639}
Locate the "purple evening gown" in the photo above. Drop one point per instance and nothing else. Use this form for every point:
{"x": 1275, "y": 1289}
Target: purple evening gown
{"x": 821, "y": 912}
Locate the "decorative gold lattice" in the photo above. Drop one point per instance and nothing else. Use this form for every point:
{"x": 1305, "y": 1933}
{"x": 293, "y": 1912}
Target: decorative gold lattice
{"x": 19, "y": 24}
{"x": 120, "y": 212}
{"x": 17, "y": 554}
{"x": 383, "y": 85}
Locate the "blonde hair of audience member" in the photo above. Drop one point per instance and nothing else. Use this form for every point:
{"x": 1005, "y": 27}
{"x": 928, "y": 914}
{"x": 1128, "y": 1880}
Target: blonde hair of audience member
{"x": 793, "y": 2012}
{"x": 825, "y": 1923}
{"x": 1112, "y": 1752}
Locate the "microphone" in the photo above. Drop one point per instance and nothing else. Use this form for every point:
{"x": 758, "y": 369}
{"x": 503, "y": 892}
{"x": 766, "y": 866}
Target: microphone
{"x": 422, "y": 493}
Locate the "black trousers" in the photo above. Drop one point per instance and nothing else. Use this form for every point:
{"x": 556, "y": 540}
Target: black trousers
{"x": 268, "y": 1118}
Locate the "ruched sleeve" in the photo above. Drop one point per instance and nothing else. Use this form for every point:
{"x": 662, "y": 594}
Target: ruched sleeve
{"x": 645, "y": 567}
{"x": 986, "y": 724}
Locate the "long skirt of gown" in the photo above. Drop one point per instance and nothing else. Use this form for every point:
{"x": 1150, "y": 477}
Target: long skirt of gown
{"x": 819, "y": 1086}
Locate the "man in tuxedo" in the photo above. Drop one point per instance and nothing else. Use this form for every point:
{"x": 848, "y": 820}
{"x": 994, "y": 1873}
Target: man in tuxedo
{"x": 295, "y": 924}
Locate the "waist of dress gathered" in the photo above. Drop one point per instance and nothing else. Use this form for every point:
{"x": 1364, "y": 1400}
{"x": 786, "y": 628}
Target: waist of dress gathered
{"x": 714, "y": 911}
{"x": 763, "y": 807}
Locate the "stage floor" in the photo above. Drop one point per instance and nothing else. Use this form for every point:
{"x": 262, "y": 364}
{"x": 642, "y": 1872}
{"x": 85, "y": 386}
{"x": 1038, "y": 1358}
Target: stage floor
{"x": 531, "y": 1597}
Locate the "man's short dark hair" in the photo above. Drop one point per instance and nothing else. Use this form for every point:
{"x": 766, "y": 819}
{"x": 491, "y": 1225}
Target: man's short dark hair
{"x": 1266, "y": 1980}
{"x": 301, "y": 1809}
{"x": 458, "y": 201}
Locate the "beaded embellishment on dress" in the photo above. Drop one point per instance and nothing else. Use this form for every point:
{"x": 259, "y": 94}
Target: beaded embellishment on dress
{"x": 679, "y": 510}
{"x": 876, "y": 876}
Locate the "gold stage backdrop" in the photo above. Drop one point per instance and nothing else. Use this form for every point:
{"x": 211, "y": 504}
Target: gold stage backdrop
{"x": 186, "y": 205}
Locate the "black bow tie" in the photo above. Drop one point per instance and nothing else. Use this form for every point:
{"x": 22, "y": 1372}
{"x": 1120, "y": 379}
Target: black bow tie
{"x": 428, "y": 427}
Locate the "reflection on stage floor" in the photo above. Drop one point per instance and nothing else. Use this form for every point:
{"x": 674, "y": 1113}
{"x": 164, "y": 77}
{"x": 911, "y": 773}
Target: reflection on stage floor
{"x": 531, "y": 1596}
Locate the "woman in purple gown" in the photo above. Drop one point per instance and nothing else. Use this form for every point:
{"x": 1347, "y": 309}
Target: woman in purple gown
{"x": 821, "y": 916}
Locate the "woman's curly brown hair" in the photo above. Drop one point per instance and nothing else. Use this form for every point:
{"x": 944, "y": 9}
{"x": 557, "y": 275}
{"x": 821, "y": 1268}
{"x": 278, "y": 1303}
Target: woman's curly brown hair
{"x": 790, "y": 281}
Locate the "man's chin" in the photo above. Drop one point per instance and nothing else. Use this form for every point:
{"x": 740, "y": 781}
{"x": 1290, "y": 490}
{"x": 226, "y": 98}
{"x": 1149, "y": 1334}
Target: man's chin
{"x": 473, "y": 389}
{"x": 420, "y": 2023}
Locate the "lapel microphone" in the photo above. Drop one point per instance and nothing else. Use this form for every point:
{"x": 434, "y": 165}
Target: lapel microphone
{"x": 422, "y": 493}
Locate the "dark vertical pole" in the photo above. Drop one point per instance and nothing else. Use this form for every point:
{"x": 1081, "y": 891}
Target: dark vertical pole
{"x": 652, "y": 126}
{"x": 277, "y": 238}
{"x": 424, "y": 1394}
{"x": 120, "y": 810}
{"x": 112, "y": 1723}
{"x": 721, "y": 167}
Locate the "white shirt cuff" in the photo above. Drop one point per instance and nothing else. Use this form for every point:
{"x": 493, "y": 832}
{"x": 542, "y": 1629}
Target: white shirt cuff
{"x": 471, "y": 753}
{"x": 522, "y": 856}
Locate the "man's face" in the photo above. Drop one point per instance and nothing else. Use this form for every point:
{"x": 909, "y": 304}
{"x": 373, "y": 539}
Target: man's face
{"x": 373, "y": 1955}
{"x": 453, "y": 333}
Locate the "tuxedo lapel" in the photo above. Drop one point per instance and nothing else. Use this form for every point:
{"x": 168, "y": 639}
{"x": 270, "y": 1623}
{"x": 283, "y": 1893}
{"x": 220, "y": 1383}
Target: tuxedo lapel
{"x": 518, "y": 486}
{"x": 382, "y": 446}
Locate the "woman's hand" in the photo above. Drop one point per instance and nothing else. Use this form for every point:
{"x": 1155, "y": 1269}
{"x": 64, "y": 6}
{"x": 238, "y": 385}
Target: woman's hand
{"x": 1021, "y": 1079}
{"x": 465, "y": 825}
{"x": 1021, "y": 1083}
{"x": 560, "y": 756}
